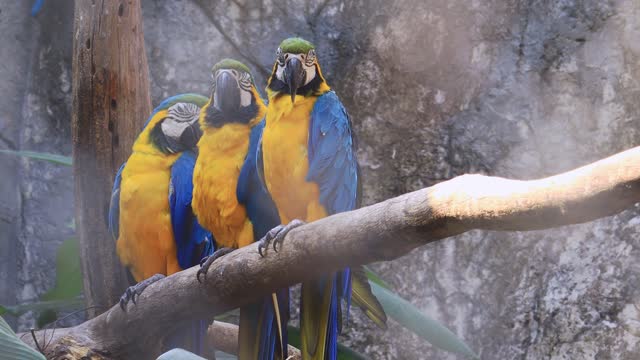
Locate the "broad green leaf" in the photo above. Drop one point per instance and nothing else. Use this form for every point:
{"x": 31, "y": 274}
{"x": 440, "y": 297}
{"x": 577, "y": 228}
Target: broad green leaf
{"x": 68, "y": 276}
{"x": 56, "y": 305}
{"x": 375, "y": 278}
{"x": 422, "y": 325}
{"x": 221, "y": 355}
{"x": 12, "y": 348}
{"x": 54, "y": 158}
{"x": 179, "y": 354}
{"x": 344, "y": 353}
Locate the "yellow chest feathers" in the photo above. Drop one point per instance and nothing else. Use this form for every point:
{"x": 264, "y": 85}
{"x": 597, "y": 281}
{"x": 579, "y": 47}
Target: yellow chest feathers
{"x": 221, "y": 154}
{"x": 145, "y": 243}
{"x": 285, "y": 144}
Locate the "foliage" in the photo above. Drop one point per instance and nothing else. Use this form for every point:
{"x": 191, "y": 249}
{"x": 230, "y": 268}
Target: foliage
{"x": 54, "y": 158}
{"x": 419, "y": 323}
{"x": 375, "y": 278}
{"x": 179, "y": 354}
{"x": 65, "y": 295}
{"x": 13, "y": 348}
{"x": 68, "y": 275}
{"x": 57, "y": 305}
{"x": 344, "y": 353}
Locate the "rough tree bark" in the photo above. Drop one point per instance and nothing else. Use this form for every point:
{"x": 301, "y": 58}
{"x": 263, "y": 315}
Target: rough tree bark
{"x": 110, "y": 103}
{"x": 378, "y": 232}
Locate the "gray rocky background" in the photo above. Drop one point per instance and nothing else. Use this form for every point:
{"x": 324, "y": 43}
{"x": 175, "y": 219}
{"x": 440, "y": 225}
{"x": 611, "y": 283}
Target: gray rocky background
{"x": 520, "y": 89}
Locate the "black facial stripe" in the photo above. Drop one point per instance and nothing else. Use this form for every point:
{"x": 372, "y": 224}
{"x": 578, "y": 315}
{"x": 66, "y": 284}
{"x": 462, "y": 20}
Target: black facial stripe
{"x": 245, "y": 85}
{"x": 163, "y": 143}
{"x": 217, "y": 118}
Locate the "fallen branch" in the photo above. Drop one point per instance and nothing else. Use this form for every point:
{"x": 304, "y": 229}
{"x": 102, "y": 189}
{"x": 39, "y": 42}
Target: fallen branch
{"x": 383, "y": 231}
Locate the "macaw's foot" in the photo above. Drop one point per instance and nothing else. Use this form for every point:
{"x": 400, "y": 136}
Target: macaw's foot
{"x": 277, "y": 235}
{"x": 137, "y": 289}
{"x": 206, "y": 261}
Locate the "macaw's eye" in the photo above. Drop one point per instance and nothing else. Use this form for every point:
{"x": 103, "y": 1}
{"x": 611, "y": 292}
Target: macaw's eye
{"x": 311, "y": 57}
{"x": 280, "y": 57}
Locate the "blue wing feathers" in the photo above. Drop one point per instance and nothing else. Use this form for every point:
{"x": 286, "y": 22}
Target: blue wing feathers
{"x": 114, "y": 205}
{"x": 334, "y": 167}
{"x": 252, "y": 193}
{"x": 192, "y": 240}
{"x": 332, "y": 161}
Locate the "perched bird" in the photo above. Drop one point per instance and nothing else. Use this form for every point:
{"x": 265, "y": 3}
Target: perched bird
{"x": 150, "y": 215}
{"x": 311, "y": 171}
{"x": 230, "y": 200}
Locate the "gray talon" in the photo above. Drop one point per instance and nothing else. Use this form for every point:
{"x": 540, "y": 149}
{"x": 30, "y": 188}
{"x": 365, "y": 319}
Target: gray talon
{"x": 206, "y": 262}
{"x": 277, "y": 235}
{"x": 134, "y": 291}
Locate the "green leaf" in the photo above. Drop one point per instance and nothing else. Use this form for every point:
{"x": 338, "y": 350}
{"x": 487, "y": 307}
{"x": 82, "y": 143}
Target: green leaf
{"x": 13, "y": 348}
{"x": 45, "y": 317}
{"x": 68, "y": 275}
{"x": 375, "y": 278}
{"x": 344, "y": 353}
{"x": 65, "y": 295}
{"x": 179, "y": 354}
{"x": 56, "y": 305}
{"x": 54, "y": 158}
{"x": 422, "y": 325}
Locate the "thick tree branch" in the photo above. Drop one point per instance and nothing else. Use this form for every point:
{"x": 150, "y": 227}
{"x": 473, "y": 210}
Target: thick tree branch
{"x": 383, "y": 231}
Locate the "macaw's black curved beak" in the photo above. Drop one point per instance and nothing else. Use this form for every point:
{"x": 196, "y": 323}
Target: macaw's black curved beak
{"x": 293, "y": 76}
{"x": 227, "y": 92}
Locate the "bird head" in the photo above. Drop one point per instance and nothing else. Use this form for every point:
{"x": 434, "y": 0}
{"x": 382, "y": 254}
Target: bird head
{"x": 173, "y": 125}
{"x": 234, "y": 97}
{"x": 180, "y": 128}
{"x": 296, "y": 70}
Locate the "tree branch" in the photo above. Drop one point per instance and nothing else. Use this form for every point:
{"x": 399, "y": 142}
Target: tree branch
{"x": 382, "y": 231}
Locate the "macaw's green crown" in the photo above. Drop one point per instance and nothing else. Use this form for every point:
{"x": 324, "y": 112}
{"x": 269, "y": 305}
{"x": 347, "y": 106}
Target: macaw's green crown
{"x": 296, "y": 45}
{"x": 231, "y": 64}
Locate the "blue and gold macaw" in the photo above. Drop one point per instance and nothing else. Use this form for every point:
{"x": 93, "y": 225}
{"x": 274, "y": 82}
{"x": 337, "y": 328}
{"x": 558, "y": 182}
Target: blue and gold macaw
{"x": 150, "y": 215}
{"x": 311, "y": 171}
{"x": 230, "y": 201}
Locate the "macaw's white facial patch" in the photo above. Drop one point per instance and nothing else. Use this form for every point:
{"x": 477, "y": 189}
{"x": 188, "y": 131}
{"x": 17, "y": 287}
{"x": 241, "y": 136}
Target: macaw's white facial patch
{"x": 308, "y": 61}
{"x": 179, "y": 117}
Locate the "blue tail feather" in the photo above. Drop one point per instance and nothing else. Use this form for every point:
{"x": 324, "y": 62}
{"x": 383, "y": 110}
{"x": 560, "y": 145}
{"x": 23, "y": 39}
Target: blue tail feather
{"x": 332, "y": 338}
{"x": 259, "y": 328}
{"x": 190, "y": 336}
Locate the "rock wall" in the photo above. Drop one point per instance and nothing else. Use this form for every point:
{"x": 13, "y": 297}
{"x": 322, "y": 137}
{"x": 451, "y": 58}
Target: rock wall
{"x": 520, "y": 89}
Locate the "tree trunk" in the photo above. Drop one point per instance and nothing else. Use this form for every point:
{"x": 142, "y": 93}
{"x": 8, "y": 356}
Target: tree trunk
{"x": 110, "y": 104}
